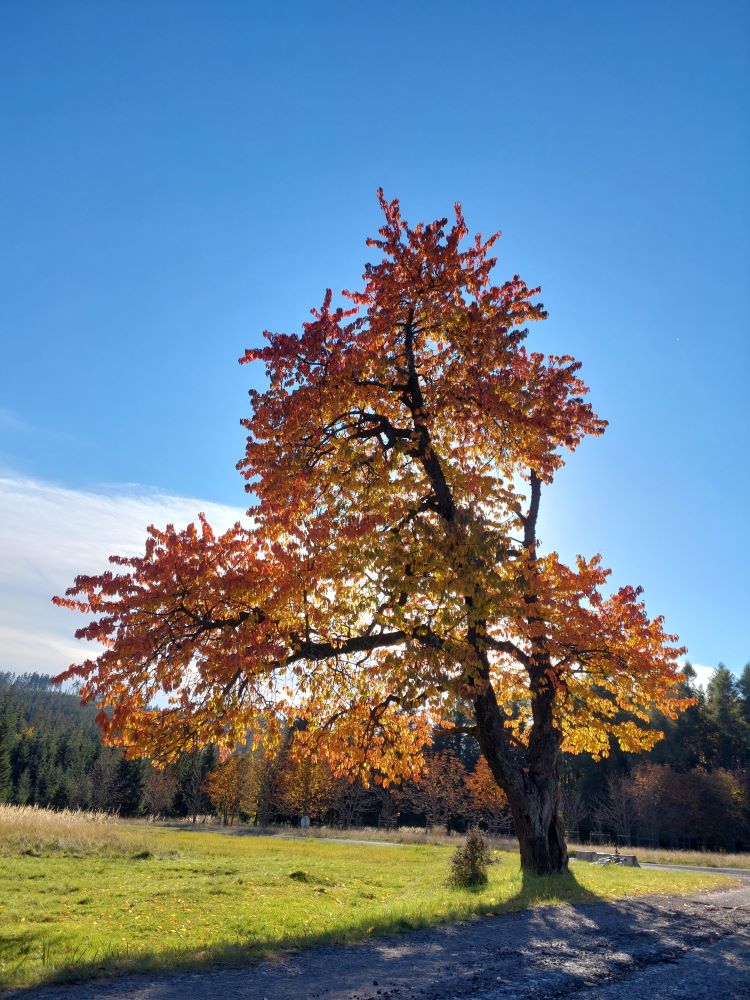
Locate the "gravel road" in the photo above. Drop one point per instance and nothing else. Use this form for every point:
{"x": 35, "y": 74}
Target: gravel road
{"x": 656, "y": 948}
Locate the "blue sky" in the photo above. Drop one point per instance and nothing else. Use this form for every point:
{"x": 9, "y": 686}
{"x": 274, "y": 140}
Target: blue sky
{"x": 176, "y": 177}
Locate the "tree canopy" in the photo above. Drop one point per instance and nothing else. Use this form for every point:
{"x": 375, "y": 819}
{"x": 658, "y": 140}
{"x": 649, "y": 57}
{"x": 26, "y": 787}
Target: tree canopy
{"x": 392, "y": 573}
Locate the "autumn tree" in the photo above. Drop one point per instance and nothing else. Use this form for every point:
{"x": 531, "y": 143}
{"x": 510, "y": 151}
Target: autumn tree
{"x": 307, "y": 787}
{"x": 439, "y": 792}
{"x": 232, "y": 787}
{"x": 487, "y": 803}
{"x": 348, "y": 801}
{"x": 702, "y": 808}
{"x": 392, "y": 570}
{"x": 160, "y": 791}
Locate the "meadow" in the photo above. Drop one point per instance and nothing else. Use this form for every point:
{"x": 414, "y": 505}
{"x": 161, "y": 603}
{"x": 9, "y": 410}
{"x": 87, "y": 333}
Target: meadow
{"x": 87, "y": 895}
{"x": 419, "y": 835}
{"x": 650, "y": 855}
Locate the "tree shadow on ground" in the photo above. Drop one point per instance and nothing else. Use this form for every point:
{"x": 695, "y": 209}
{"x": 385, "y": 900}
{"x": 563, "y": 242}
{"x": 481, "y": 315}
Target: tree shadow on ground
{"x": 541, "y": 890}
{"x": 529, "y": 921}
{"x": 535, "y": 891}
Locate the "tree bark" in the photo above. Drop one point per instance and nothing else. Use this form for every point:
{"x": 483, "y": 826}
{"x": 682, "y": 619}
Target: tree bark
{"x": 540, "y": 829}
{"x": 530, "y": 777}
{"x": 535, "y": 794}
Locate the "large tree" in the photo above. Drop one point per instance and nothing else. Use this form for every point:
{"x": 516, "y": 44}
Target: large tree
{"x": 392, "y": 573}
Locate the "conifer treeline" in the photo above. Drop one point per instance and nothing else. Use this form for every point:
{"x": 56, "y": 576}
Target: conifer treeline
{"x": 692, "y": 790}
{"x": 51, "y": 755}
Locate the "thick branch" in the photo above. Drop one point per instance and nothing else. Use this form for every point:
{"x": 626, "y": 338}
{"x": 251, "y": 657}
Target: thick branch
{"x": 356, "y": 644}
{"x": 530, "y": 518}
{"x": 413, "y": 399}
{"x": 508, "y": 647}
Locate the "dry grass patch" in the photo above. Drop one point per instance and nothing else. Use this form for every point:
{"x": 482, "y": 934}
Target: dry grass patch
{"x": 36, "y": 832}
{"x": 703, "y": 859}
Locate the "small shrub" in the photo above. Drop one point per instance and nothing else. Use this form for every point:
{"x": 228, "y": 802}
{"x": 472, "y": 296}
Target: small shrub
{"x": 300, "y": 876}
{"x": 470, "y": 862}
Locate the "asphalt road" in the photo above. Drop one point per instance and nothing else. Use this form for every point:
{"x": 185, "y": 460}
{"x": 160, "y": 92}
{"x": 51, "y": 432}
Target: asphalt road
{"x": 743, "y": 873}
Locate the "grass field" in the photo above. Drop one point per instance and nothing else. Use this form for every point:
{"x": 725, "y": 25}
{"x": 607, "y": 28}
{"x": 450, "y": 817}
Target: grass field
{"x": 418, "y": 835}
{"x": 84, "y": 896}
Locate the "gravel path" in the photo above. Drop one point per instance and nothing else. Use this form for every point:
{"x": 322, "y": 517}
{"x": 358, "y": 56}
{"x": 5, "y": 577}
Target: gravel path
{"x": 691, "y": 947}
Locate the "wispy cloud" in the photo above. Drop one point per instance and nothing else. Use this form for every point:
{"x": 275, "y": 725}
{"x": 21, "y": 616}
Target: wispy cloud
{"x": 48, "y": 534}
{"x": 10, "y": 421}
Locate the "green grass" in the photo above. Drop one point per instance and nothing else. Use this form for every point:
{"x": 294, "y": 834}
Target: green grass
{"x": 191, "y": 899}
{"x": 437, "y": 836}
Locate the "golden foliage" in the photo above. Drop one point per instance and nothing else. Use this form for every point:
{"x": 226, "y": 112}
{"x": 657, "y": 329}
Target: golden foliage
{"x": 391, "y": 571}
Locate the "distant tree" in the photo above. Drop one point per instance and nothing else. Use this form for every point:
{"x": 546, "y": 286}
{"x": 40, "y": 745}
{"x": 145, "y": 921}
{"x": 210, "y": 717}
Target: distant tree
{"x": 160, "y": 791}
{"x": 743, "y": 686}
{"x": 349, "y": 800}
{"x": 724, "y": 712}
{"x": 192, "y": 770}
{"x": 686, "y": 742}
{"x": 104, "y": 780}
{"x": 226, "y": 787}
{"x": 615, "y": 810}
{"x": 7, "y": 742}
{"x": 651, "y": 791}
{"x": 23, "y": 788}
{"x": 130, "y": 786}
{"x": 268, "y": 789}
{"x": 307, "y": 787}
{"x": 574, "y": 808}
{"x": 46, "y": 777}
{"x": 698, "y": 808}
{"x": 440, "y": 792}
{"x": 486, "y": 803}
{"x": 6, "y": 774}
{"x": 386, "y": 804}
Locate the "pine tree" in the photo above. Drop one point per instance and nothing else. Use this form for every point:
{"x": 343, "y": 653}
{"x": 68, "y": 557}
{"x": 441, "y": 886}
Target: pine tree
{"x": 130, "y": 786}
{"x": 724, "y": 713}
{"x": 7, "y": 740}
{"x": 743, "y": 686}
{"x": 23, "y": 789}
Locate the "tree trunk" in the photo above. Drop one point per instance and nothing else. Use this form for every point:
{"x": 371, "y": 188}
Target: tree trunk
{"x": 540, "y": 828}
{"x": 530, "y": 777}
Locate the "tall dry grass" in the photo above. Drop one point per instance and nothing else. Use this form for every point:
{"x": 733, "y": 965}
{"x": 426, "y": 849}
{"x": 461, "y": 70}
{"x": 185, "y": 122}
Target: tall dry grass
{"x": 677, "y": 856}
{"x": 36, "y": 831}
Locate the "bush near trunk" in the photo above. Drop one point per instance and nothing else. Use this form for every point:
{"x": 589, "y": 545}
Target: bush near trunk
{"x": 470, "y": 862}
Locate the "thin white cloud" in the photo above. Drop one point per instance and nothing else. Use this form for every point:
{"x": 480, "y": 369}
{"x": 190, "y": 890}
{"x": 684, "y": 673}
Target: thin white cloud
{"x": 49, "y": 534}
{"x": 11, "y": 421}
